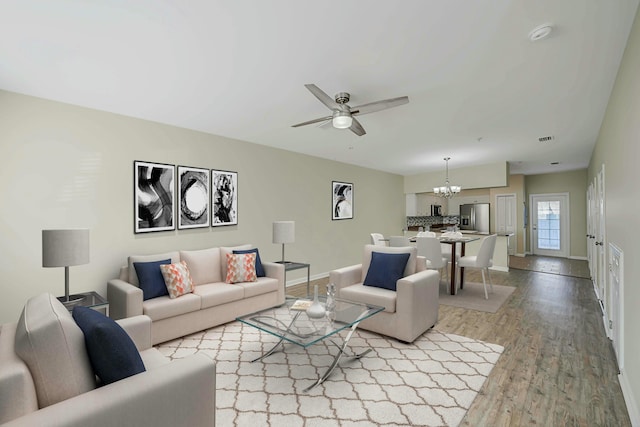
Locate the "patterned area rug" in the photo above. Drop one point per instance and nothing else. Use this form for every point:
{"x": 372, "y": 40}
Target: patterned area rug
{"x": 431, "y": 382}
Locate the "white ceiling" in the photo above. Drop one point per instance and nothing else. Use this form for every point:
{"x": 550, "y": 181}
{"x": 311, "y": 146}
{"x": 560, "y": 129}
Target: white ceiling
{"x": 480, "y": 91}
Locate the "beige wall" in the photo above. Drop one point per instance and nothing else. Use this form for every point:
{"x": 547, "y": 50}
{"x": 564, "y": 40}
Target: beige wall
{"x": 574, "y": 183}
{"x": 618, "y": 149}
{"x": 65, "y": 167}
{"x": 480, "y": 176}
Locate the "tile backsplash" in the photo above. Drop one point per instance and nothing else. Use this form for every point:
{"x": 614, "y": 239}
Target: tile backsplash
{"x": 424, "y": 221}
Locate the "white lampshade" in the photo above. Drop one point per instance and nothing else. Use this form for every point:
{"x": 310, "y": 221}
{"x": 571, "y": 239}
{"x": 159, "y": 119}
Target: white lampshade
{"x": 284, "y": 232}
{"x": 342, "y": 120}
{"x": 63, "y": 248}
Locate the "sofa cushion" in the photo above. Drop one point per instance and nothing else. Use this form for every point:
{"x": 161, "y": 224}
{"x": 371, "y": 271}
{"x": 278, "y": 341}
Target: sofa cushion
{"x": 150, "y": 278}
{"x": 52, "y": 346}
{"x": 241, "y": 268}
{"x": 259, "y": 268}
{"x": 262, "y": 286}
{"x": 177, "y": 279}
{"x": 204, "y": 265}
{"x": 410, "y": 268}
{"x": 165, "y": 307}
{"x": 218, "y": 293}
{"x": 132, "y": 277}
{"x": 112, "y": 353}
{"x": 224, "y": 250}
{"x": 385, "y": 270}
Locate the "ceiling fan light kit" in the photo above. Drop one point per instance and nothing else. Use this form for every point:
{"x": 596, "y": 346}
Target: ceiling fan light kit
{"x": 342, "y": 120}
{"x": 343, "y": 116}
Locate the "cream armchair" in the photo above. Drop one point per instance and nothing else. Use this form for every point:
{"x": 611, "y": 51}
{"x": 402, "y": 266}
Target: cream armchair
{"x": 409, "y": 310}
{"x": 62, "y": 391}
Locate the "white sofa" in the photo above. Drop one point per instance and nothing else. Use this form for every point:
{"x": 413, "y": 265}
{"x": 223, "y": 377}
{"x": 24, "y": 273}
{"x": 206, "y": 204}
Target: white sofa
{"x": 213, "y": 302}
{"x": 46, "y": 377}
{"x": 409, "y": 310}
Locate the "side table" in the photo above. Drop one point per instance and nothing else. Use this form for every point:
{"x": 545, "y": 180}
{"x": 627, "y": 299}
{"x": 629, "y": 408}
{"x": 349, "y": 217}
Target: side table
{"x": 91, "y": 299}
{"x": 290, "y": 266}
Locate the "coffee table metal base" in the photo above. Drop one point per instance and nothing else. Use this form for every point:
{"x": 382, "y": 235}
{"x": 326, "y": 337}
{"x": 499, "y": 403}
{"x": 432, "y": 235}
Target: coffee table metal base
{"x": 279, "y": 346}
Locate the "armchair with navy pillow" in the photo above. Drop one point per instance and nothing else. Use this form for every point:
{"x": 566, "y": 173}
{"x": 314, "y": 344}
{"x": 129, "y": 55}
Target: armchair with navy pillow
{"x": 396, "y": 279}
{"x": 85, "y": 370}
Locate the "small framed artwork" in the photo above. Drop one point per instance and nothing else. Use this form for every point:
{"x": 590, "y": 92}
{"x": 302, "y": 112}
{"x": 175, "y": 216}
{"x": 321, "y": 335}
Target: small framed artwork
{"x": 224, "y": 198}
{"x": 342, "y": 196}
{"x": 153, "y": 197}
{"x": 193, "y": 197}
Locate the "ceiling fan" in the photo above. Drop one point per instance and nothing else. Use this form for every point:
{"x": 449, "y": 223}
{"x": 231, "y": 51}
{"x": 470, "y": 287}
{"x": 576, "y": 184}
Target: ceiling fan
{"x": 343, "y": 115}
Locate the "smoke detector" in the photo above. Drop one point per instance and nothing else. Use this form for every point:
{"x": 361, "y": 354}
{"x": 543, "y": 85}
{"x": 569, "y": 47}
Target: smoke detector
{"x": 540, "y": 32}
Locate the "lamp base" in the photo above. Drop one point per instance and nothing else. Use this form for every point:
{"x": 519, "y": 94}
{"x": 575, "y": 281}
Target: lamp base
{"x": 72, "y": 300}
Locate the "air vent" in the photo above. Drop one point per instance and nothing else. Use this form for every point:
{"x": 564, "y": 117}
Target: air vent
{"x": 546, "y": 138}
{"x": 554, "y": 163}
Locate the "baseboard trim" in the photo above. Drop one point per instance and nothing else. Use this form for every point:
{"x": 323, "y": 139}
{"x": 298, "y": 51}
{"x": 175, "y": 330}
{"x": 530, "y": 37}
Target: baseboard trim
{"x": 505, "y": 269}
{"x": 629, "y": 399}
{"x": 581, "y": 258}
{"x": 304, "y": 279}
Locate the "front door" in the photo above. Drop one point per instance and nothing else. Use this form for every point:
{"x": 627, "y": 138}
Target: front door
{"x": 550, "y": 224}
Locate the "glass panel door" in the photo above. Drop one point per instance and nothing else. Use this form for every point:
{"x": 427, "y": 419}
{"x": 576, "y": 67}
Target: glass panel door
{"x": 550, "y": 224}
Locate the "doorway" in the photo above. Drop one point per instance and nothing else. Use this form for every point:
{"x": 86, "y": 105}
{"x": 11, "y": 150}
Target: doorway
{"x": 550, "y": 224}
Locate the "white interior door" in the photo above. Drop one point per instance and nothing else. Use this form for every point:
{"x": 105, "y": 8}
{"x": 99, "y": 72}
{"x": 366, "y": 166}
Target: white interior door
{"x": 599, "y": 244}
{"x": 506, "y": 218}
{"x": 550, "y": 224}
{"x": 615, "y": 326}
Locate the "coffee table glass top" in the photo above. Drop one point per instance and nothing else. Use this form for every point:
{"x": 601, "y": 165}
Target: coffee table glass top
{"x": 296, "y": 327}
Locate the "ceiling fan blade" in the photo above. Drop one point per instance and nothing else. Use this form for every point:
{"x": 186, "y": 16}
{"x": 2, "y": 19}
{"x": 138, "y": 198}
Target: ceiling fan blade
{"x": 323, "y": 97}
{"x": 379, "y": 105}
{"x": 310, "y": 122}
{"x": 356, "y": 127}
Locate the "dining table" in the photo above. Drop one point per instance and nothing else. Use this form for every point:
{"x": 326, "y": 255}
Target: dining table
{"x": 454, "y": 241}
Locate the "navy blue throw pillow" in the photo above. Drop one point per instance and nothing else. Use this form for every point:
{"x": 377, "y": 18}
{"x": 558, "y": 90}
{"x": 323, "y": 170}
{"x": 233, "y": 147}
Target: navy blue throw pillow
{"x": 150, "y": 278}
{"x": 385, "y": 270}
{"x": 259, "y": 268}
{"x": 112, "y": 353}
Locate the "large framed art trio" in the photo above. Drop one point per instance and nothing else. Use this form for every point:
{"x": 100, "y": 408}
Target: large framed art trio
{"x": 192, "y": 197}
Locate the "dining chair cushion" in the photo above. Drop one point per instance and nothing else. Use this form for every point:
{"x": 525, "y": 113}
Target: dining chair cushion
{"x": 386, "y": 269}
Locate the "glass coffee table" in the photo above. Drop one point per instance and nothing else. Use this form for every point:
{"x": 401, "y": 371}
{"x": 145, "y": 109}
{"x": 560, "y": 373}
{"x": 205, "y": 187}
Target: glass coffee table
{"x": 294, "y": 326}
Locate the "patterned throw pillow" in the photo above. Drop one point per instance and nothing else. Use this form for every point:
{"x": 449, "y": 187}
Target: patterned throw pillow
{"x": 241, "y": 268}
{"x": 177, "y": 278}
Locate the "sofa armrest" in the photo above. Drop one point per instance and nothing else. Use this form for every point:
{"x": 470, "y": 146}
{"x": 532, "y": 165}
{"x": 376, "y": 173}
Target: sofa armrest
{"x": 346, "y": 276}
{"x": 139, "y": 329}
{"x": 153, "y": 398}
{"x": 418, "y": 299}
{"x": 125, "y": 299}
{"x": 275, "y": 270}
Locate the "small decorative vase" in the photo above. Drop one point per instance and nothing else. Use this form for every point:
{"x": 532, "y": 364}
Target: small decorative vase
{"x": 315, "y": 310}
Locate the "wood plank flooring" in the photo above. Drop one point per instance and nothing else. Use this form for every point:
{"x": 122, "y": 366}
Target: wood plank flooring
{"x": 557, "y": 368}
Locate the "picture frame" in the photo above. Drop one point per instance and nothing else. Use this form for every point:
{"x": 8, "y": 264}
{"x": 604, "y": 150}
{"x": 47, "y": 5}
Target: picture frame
{"x": 341, "y": 200}
{"x": 224, "y": 198}
{"x": 193, "y": 197}
{"x": 154, "y": 197}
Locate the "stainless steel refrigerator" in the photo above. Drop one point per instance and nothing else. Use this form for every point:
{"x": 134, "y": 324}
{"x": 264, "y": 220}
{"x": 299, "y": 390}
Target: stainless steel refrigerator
{"x": 475, "y": 217}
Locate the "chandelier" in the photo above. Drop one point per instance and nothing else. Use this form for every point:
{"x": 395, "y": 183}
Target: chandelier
{"x": 447, "y": 191}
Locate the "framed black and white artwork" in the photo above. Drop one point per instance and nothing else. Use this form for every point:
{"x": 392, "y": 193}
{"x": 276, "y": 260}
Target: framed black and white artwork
{"x": 153, "y": 197}
{"x": 342, "y": 196}
{"x": 224, "y": 198}
{"x": 193, "y": 197}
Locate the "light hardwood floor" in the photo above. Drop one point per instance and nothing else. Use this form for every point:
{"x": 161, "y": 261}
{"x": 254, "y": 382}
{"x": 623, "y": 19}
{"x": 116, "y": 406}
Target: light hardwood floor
{"x": 557, "y": 368}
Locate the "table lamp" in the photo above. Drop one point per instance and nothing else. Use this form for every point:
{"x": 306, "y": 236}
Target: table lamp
{"x": 284, "y": 232}
{"x": 64, "y": 248}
